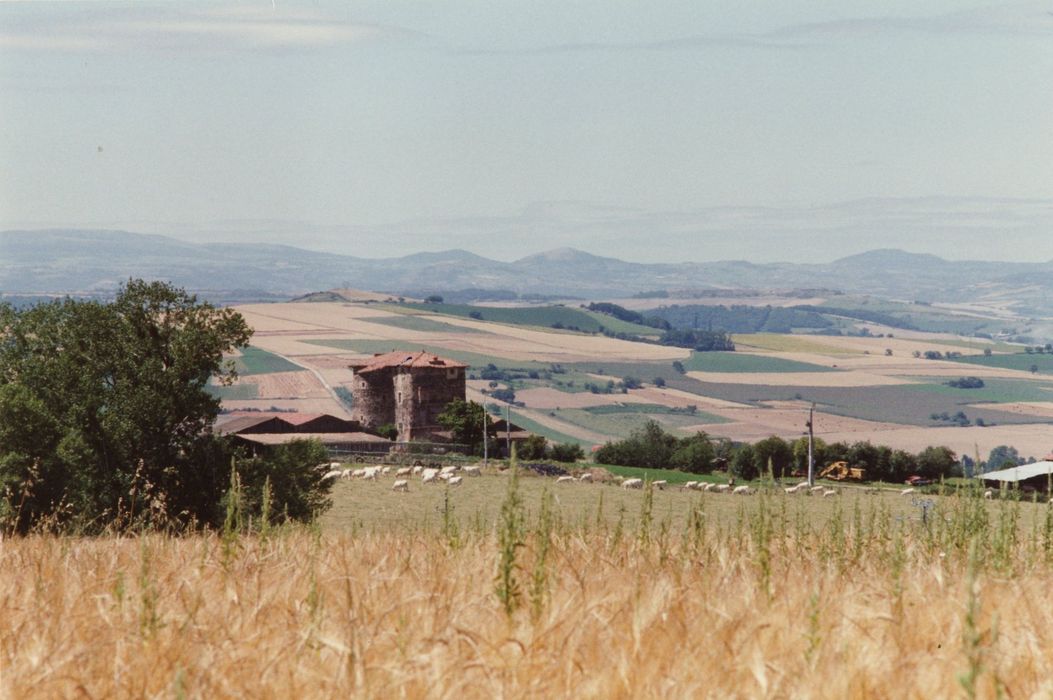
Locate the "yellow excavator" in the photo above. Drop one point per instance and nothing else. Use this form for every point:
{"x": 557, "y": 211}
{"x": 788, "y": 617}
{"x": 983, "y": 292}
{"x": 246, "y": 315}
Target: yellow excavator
{"x": 840, "y": 471}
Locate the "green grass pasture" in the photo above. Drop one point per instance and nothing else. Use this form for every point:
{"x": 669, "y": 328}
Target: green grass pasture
{"x": 257, "y": 361}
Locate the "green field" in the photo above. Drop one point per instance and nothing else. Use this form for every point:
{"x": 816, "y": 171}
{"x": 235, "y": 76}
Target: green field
{"x": 554, "y": 435}
{"x": 747, "y": 362}
{"x": 413, "y": 322}
{"x": 1019, "y": 361}
{"x": 540, "y": 316}
{"x": 256, "y": 361}
{"x": 653, "y": 409}
{"x": 365, "y": 506}
{"x": 781, "y": 342}
{"x": 977, "y": 345}
{"x": 905, "y": 404}
{"x": 622, "y": 423}
{"x": 237, "y": 392}
{"x": 993, "y": 391}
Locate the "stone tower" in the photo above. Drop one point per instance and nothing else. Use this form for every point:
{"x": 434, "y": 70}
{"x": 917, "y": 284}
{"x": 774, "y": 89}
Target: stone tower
{"x": 406, "y": 389}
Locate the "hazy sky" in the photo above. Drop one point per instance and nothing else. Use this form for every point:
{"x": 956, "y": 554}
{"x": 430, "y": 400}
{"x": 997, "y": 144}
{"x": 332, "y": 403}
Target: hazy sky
{"x": 663, "y": 131}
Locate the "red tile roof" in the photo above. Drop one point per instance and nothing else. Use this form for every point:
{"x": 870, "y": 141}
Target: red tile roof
{"x": 324, "y": 438}
{"x": 399, "y": 358}
{"x": 300, "y": 418}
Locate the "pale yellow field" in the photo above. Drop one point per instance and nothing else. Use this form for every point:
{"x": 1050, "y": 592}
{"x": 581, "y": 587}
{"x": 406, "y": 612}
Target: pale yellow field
{"x": 1035, "y": 440}
{"x": 845, "y": 378}
{"x": 279, "y": 325}
{"x": 287, "y": 385}
{"x": 320, "y": 405}
{"x": 752, "y": 424}
{"x": 803, "y": 597}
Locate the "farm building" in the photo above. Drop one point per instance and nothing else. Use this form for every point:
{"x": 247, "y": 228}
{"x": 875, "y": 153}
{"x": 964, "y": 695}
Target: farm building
{"x": 406, "y": 389}
{"x": 1027, "y": 477}
{"x": 261, "y": 423}
{"x": 263, "y": 430}
{"x": 503, "y": 437}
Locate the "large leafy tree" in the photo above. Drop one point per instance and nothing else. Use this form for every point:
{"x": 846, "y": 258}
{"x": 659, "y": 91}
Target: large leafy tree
{"x": 103, "y": 407}
{"x": 464, "y": 420}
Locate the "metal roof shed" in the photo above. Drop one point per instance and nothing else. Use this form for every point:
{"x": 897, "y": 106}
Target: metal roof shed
{"x": 1034, "y": 476}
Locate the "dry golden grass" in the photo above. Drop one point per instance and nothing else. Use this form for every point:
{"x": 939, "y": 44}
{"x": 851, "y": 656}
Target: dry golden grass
{"x": 758, "y": 604}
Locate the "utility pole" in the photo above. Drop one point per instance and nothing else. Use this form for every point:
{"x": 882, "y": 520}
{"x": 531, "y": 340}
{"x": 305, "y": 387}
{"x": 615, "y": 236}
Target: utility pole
{"x": 486, "y": 450}
{"x": 811, "y": 457}
{"x": 508, "y": 431}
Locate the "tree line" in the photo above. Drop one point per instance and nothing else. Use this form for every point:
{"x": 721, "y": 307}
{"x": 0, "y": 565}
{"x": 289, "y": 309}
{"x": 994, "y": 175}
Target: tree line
{"x": 653, "y": 447}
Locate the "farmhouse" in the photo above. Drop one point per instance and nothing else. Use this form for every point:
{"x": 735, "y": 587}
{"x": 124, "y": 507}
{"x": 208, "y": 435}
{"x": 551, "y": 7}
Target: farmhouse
{"x": 406, "y": 389}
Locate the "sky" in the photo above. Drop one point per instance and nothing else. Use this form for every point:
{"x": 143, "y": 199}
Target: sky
{"x": 682, "y": 130}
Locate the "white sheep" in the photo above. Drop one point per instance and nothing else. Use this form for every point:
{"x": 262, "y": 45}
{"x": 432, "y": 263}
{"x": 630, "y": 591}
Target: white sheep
{"x": 689, "y": 485}
{"x": 385, "y": 470}
{"x": 907, "y": 491}
{"x": 565, "y": 480}
{"x": 790, "y": 489}
{"x": 586, "y": 478}
{"x": 347, "y": 474}
{"x": 742, "y": 490}
{"x": 709, "y": 486}
{"x": 472, "y": 471}
{"x": 721, "y": 488}
{"x": 428, "y": 475}
{"x": 632, "y": 484}
{"x": 335, "y": 465}
{"x": 448, "y": 470}
{"x": 400, "y": 485}
{"x": 455, "y": 481}
{"x": 404, "y": 471}
{"x": 988, "y": 493}
{"x": 660, "y": 484}
{"x": 333, "y": 474}
{"x": 817, "y": 489}
{"x": 829, "y": 492}
{"x": 417, "y": 470}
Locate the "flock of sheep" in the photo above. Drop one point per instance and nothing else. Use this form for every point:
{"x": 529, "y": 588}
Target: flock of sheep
{"x": 450, "y": 476}
{"x": 427, "y": 475}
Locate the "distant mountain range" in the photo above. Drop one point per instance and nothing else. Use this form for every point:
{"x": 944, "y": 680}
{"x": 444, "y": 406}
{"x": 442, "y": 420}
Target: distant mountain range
{"x": 92, "y": 262}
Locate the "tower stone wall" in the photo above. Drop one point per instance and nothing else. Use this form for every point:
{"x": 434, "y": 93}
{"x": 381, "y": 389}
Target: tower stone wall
{"x": 407, "y": 390}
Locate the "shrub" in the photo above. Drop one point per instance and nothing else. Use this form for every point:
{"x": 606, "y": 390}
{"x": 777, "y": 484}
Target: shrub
{"x": 566, "y": 452}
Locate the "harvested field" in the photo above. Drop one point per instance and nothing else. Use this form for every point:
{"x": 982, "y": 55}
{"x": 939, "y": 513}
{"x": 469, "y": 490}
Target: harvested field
{"x": 329, "y": 361}
{"x": 681, "y": 399}
{"x": 318, "y": 405}
{"x": 1031, "y": 440}
{"x": 753, "y": 424}
{"x": 1042, "y": 409}
{"x": 288, "y": 385}
{"x": 352, "y": 321}
{"x": 879, "y": 397}
{"x": 782, "y": 342}
{"x": 835, "y": 379}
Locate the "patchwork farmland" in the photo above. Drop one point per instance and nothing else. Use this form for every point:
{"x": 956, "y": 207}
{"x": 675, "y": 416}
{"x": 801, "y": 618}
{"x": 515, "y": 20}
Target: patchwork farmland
{"x": 570, "y": 386}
